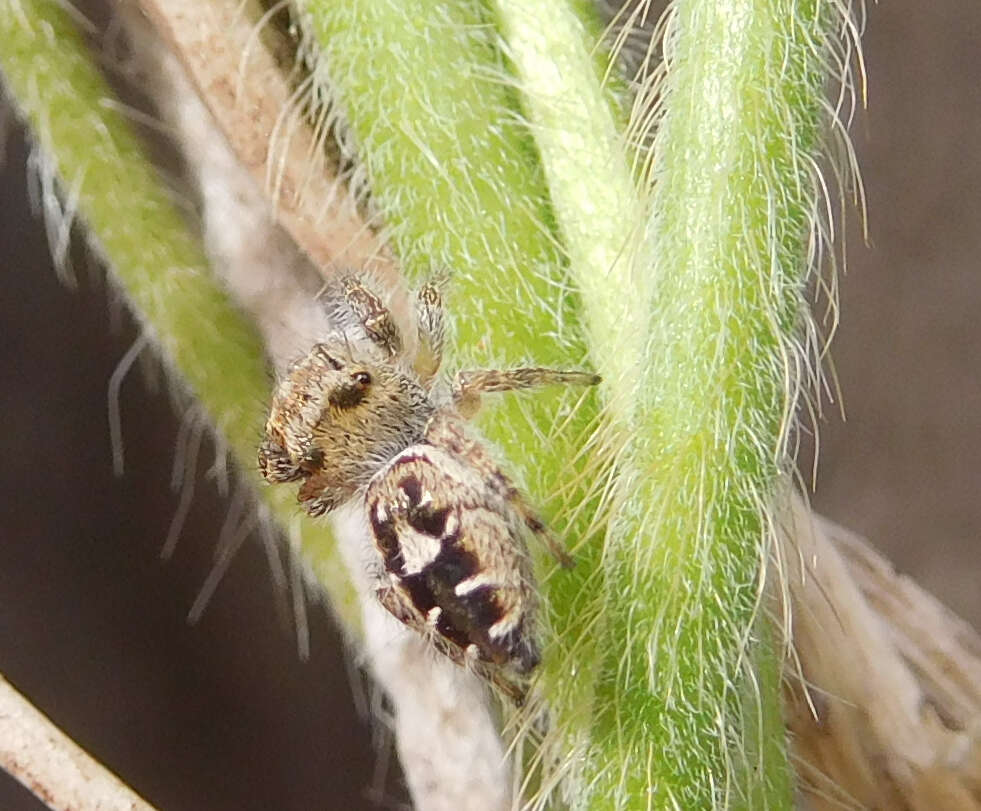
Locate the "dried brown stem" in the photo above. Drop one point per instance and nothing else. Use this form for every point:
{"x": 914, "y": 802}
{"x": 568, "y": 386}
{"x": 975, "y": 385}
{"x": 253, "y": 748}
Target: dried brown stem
{"x": 446, "y": 734}
{"x": 254, "y": 105}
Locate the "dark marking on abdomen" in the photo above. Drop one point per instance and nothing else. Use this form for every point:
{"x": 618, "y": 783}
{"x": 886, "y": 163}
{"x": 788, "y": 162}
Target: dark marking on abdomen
{"x": 411, "y": 487}
{"x": 429, "y": 521}
{"x": 419, "y": 592}
{"x": 448, "y": 629}
{"x": 452, "y": 566}
{"x": 482, "y": 606}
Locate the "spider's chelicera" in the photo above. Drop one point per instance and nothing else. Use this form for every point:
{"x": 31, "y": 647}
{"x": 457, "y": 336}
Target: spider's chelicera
{"x": 355, "y": 418}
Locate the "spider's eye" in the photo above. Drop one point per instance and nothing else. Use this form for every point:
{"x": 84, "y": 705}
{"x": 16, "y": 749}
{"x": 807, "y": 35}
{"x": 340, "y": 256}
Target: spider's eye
{"x": 348, "y": 395}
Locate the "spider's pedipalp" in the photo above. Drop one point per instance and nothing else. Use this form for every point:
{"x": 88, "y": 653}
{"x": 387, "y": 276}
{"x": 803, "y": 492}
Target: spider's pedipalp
{"x": 275, "y": 463}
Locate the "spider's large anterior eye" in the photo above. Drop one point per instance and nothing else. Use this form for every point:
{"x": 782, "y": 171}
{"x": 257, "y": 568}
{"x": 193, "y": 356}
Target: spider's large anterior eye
{"x": 350, "y": 394}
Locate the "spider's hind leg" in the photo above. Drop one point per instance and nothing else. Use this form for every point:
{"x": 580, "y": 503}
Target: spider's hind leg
{"x": 541, "y": 530}
{"x": 449, "y": 432}
{"x": 402, "y": 609}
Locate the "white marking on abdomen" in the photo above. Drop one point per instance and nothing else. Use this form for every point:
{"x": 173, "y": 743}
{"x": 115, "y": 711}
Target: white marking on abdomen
{"x": 504, "y": 624}
{"x": 418, "y": 550}
{"x": 472, "y": 583}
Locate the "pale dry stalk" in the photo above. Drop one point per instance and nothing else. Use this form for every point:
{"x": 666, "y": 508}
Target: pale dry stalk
{"x": 52, "y": 766}
{"x": 246, "y": 89}
{"x": 890, "y": 717}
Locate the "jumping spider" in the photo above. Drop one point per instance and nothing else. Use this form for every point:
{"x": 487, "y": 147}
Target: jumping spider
{"x": 356, "y": 418}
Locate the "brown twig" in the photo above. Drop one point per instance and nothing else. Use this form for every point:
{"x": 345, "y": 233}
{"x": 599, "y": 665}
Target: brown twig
{"x": 250, "y": 97}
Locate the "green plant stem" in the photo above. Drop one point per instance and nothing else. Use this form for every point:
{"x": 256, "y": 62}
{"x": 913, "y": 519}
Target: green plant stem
{"x": 459, "y": 182}
{"x": 732, "y": 207}
{"x": 149, "y": 249}
{"x": 577, "y": 128}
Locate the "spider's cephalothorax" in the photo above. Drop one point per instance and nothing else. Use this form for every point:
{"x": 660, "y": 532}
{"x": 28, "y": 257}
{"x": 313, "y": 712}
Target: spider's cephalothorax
{"x": 355, "y": 418}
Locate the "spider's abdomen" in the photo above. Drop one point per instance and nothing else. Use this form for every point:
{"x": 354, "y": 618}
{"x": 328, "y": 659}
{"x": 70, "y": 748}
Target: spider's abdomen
{"x": 456, "y": 565}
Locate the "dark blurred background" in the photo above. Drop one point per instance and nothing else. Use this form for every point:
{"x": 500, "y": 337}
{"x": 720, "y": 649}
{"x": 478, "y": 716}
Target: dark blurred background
{"x": 223, "y": 714}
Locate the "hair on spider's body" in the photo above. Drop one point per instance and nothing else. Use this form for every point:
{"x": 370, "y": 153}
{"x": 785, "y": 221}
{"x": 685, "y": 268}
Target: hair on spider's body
{"x": 355, "y": 418}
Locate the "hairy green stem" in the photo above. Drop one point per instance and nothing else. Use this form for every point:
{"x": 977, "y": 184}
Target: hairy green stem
{"x": 458, "y": 179}
{"x": 576, "y": 126}
{"x": 456, "y": 174}
{"x": 149, "y": 247}
{"x": 732, "y": 208}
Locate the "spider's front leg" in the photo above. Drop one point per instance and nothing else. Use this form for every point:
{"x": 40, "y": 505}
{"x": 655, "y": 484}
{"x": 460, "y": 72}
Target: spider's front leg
{"x": 374, "y": 317}
{"x": 469, "y": 385}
